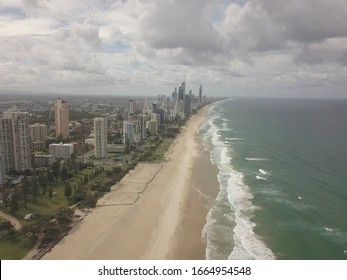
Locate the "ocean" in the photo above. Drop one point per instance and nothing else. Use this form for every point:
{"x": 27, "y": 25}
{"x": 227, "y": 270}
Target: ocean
{"x": 282, "y": 177}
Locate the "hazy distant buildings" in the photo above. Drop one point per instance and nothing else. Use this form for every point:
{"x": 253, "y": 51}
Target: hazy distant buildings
{"x": 200, "y": 94}
{"x": 61, "y": 110}
{"x": 61, "y": 150}
{"x": 100, "y": 136}
{"x": 132, "y": 107}
{"x": 14, "y": 140}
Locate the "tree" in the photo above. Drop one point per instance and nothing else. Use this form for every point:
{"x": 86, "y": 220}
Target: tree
{"x": 56, "y": 169}
{"x": 5, "y": 228}
{"x": 25, "y": 190}
{"x": 14, "y": 202}
{"x": 43, "y": 183}
{"x": 67, "y": 190}
{"x": 34, "y": 187}
{"x": 5, "y": 197}
{"x": 64, "y": 174}
{"x": 86, "y": 179}
{"x": 50, "y": 193}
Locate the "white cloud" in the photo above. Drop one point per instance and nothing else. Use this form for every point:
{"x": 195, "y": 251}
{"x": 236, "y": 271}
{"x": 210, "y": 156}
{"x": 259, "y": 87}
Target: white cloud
{"x": 155, "y": 44}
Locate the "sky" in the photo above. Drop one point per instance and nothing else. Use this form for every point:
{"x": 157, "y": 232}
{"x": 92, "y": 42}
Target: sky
{"x": 289, "y": 48}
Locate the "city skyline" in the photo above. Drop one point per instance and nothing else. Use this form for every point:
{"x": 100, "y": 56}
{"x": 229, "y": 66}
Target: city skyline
{"x": 141, "y": 48}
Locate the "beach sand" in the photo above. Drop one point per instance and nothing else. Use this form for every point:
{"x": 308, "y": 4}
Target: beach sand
{"x": 157, "y": 211}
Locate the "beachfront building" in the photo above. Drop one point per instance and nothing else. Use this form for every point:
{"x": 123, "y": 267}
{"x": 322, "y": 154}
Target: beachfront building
{"x": 15, "y": 140}
{"x": 141, "y": 124}
{"x": 156, "y": 117}
{"x": 152, "y": 127}
{"x": 61, "y": 150}
{"x": 61, "y": 110}
{"x": 128, "y": 133}
{"x": 100, "y": 137}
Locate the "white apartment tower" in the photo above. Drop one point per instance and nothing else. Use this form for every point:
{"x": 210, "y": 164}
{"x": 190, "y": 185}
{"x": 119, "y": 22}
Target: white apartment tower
{"x": 61, "y": 110}
{"x": 15, "y": 140}
{"x": 100, "y": 137}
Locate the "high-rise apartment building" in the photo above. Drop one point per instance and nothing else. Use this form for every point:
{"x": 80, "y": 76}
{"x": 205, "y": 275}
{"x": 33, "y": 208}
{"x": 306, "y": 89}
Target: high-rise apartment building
{"x": 38, "y": 132}
{"x": 38, "y": 136}
{"x": 2, "y": 170}
{"x": 15, "y": 140}
{"x": 100, "y": 137}
{"x": 132, "y": 107}
{"x": 141, "y": 123}
{"x": 128, "y": 133}
{"x": 152, "y": 127}
{"x": 61, "y": 110}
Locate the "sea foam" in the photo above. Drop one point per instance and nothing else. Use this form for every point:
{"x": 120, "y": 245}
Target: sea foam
{"x": 229, "y": 230}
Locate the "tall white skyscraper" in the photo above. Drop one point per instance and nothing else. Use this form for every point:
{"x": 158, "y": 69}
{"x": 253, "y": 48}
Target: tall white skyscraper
{"x": 15, "y": 140}
{"x": 100, "y": 137}
{"x": 61, "y": 110}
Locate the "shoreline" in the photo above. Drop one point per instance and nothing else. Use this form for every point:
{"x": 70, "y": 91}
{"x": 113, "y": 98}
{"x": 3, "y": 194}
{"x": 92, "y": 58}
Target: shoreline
{"x": 165, "y": 222}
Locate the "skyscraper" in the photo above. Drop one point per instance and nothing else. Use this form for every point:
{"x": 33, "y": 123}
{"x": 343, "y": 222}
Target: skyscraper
{"x": 15, "y": 141}
{"x": 128, "y": 133}
{"x": 38, "y": 135}
{"x": 61, "y": 110}
{"x": 100, "y": 137}
{"x": 132, "y": 107}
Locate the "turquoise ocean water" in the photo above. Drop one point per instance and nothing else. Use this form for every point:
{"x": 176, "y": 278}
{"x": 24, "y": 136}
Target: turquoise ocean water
{"x": 282, "y": 176}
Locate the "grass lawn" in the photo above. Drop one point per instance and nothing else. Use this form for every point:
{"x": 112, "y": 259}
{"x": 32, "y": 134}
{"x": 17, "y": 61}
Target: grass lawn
{"x": 157, "y": 155}
{"x": 15, "y": 250}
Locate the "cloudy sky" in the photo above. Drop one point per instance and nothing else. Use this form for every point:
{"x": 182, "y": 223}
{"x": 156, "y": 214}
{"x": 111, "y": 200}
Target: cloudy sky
{"x": 147, "y": 47}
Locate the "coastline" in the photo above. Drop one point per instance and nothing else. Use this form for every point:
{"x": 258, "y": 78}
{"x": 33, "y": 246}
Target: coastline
{"x": 167, "y": 217}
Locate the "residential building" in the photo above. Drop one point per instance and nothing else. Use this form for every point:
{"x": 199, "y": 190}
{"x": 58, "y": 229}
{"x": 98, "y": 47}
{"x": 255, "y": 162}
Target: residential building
{"x": 38, "y": 136}
{"x": 61, "y": 110}
{"x": 61, "y": 150}
{"x": 15, "y": 140}
{"x": 2, "y": 170}
{"x": 100, "y": 137}
{"x": 152, "y": 127}
{"x": 128, "y": 133}
{"x": 41, "y": 160}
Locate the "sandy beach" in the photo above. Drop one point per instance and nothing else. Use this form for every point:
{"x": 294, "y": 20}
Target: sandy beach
{"x": 155, "y": 212}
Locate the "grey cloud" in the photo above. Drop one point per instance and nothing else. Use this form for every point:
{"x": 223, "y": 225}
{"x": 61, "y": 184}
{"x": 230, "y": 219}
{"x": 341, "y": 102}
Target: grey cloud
{"x": 329, "y": 51}
{"x": 179, "y": 24}
{"x": 250, "y": 28}
{"x": 310, "y": 20}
